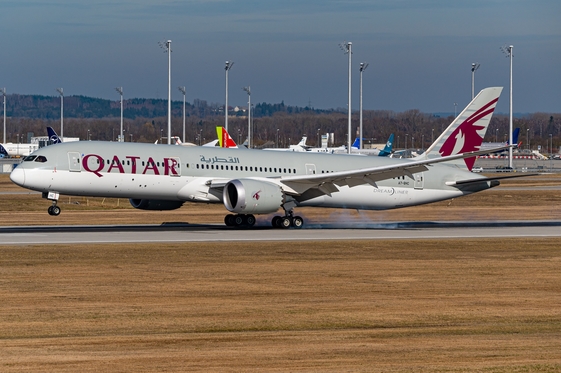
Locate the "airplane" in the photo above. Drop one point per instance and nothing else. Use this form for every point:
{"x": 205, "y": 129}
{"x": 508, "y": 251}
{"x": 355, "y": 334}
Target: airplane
{"x": 300, "y": 147}
{"x": 15, "y": 150}
{"x": 53, "y": 136}
{"x": 386, "y": 151}
{"x": 249, "y": 181}
{"x": 492, "y": 145}
{"x": 224, "y": 138}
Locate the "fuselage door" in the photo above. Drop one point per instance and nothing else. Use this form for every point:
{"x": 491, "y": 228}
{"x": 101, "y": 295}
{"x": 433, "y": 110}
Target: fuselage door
{"x": 74, "y": 162}
{"x": 310, "y": 169}
{"x": 419, "y": 180}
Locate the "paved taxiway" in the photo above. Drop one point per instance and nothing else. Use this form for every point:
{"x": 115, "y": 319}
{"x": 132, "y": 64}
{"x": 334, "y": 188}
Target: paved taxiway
{"x": 181, "y": 232}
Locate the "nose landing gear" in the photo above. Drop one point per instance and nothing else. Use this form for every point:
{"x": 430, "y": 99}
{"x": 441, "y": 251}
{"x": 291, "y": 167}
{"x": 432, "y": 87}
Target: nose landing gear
{"x": 53, "y": 210}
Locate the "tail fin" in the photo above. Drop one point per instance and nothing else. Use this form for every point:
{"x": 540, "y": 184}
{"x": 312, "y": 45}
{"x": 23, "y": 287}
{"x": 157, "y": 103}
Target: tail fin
{"x": 53, "y": 137}
{"x": 388, "y": 148}
{"x": 356, "y": 143}
{"x": 303, "y": 141}
{"x": 224, "y": 138}
{"x": 515, "y": 134}
{"x": 467, "y": 130}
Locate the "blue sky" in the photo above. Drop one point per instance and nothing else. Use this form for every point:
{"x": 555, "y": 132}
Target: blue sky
{"x": 419, "y": 51}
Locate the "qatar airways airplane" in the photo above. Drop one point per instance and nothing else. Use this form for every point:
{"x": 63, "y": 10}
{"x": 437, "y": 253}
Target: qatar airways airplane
{"x": 248, "y": 182}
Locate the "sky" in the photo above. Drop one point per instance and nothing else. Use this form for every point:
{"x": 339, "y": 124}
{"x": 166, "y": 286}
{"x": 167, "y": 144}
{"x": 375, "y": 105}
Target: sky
{"x": 419, "y": 52}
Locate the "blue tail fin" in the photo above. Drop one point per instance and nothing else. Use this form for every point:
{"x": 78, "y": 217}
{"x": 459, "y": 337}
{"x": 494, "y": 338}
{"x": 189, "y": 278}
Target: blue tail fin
{"x": 388, "y": 148}
{"x": 53, "y": 137}
{"x": 356, "y": 143}
{"x": 515, "y": 134}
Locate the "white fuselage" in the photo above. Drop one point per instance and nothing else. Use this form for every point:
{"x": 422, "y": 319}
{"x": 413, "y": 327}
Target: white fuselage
{"x": 176, "y": 173}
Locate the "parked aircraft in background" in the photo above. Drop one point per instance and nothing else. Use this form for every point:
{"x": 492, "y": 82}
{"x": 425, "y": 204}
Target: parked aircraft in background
{"x": 224, "y": 138}
{"x": 53, "y": 137}
{"x": 492, "y": 145}
{"x": 248, "y": 182}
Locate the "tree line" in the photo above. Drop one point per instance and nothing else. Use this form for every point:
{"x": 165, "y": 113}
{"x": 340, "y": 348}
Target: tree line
{"x": 145, "y": 120}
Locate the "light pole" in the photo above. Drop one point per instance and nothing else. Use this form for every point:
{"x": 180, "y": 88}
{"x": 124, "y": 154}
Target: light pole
{"x": 508, "y": 51}
{"x": 167, "y": 49}
{"x": 88, "y": 134}
{"x": 227, "y": 68}
{"x": 432, "y": 136}
{"x": 59, "y": 90}
{"x": 406, "y": 140}
{"x": 528, "y": 138}
{"x": 4, "y": 95}
{"x": 319, "y": 139}
{"x": 182, "y": 90}
{"x": 363, "y": 67}
{"x": 347, "y": 48}
{"x": 551, "y": 145}
{"x": 120, "y": 90}
{"x": 496, "y": 135}
{"x": 455, "y": 107}
{"x": 277, "y": 138}
{"x": 248, "y": 90}
{"x": 474, "y": 67}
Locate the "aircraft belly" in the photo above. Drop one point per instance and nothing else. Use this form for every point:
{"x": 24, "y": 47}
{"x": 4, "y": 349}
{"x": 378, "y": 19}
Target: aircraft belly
{"x": 113, "y": 185}
{"x": 382, "y": 198}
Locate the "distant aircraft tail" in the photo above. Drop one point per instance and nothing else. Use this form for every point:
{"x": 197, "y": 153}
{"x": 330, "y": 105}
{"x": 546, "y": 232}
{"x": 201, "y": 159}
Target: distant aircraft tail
{"x": 356, "y": 143}
{"x": 53, "y": 137}
{"x": 467, "y": 130}
{"x": 515, "y": 134}
{"x": 224, "y": 138}
{"x": 388, "y": 148}
{"x": 302, "y": 142}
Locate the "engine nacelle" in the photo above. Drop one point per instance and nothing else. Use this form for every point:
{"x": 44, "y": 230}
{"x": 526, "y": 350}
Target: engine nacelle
{"x": 247, "y": 196}
{"x": 155, "y": 204}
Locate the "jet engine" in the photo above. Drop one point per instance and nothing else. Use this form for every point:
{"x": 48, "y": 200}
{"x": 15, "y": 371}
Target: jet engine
{"x": 155, "y": 204}
{"x": 248, "y": 196}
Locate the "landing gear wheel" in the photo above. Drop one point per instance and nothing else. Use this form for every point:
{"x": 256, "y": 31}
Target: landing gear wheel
{"x": 54, "y": 210}
{"x": 285, "y": 222}
{"x": 229, "y": 220}
{"x": 250, "y": 220}
{"x": 276, "y": 222}
{"x": 239, "y": 220}
{"x": 297, "y": 222}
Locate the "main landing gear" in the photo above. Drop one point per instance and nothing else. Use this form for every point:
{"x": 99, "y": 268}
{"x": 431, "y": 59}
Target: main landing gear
{"x": 287, "y": 221}
{"x": 239, "y": 220}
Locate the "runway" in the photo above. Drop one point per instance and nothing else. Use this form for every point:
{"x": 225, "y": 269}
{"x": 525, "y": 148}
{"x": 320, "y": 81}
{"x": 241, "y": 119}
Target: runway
{"x": 183, "y": 232}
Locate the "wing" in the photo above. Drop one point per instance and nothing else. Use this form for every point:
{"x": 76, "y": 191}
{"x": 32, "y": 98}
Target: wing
{"x": 329, "y": 183}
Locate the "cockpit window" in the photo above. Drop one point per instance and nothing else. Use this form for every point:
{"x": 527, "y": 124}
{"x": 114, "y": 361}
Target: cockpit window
{"x": 29, "y": 158}
{"x": 41, "y": 158}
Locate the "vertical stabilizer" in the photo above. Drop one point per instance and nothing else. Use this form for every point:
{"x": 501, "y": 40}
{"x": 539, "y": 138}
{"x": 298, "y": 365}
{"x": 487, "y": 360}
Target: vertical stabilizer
{"x": 467, "y": 130}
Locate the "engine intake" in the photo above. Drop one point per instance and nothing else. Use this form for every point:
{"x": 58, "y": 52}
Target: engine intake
{"x": 155, "y": 204}
{"x": 248, "y": 196}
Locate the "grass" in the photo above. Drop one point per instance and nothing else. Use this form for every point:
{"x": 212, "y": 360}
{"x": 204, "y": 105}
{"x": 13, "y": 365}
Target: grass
{"x": 330, "y": 306}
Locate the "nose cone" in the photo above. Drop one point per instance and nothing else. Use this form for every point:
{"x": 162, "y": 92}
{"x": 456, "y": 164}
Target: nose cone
{"x": 18, "y": 176}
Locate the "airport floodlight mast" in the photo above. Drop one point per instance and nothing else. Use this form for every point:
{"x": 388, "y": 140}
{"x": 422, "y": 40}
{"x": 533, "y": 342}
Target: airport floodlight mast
{"x": 60, "y": 91}
{"x": 182, "y": 90}
{"x": 248, "y": 90}
{"x": 167, "y": 49}
{"x": 508, "y": 52}
{"x": 347, "y": 48}
{"x": 474, "y": 67}
{"x": 227, "y": 68}
{"x": 4, "y": 96}
{"x": 120, "y": 90}
{"x": 363, "y": 67}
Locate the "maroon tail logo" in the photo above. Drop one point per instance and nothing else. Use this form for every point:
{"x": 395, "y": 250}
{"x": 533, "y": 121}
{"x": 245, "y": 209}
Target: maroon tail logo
{"x": 466, "y": 137}
{"x": 256, "y": 195}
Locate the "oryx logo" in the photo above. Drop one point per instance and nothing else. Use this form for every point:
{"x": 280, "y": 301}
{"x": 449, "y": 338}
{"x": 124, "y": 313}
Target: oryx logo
{"x": 468, "y": 136}
{"x": 256, "y": 195}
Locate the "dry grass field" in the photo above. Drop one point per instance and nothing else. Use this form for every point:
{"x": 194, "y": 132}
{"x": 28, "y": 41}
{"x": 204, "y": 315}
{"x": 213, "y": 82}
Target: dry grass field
{"x": 329, "y": 306}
